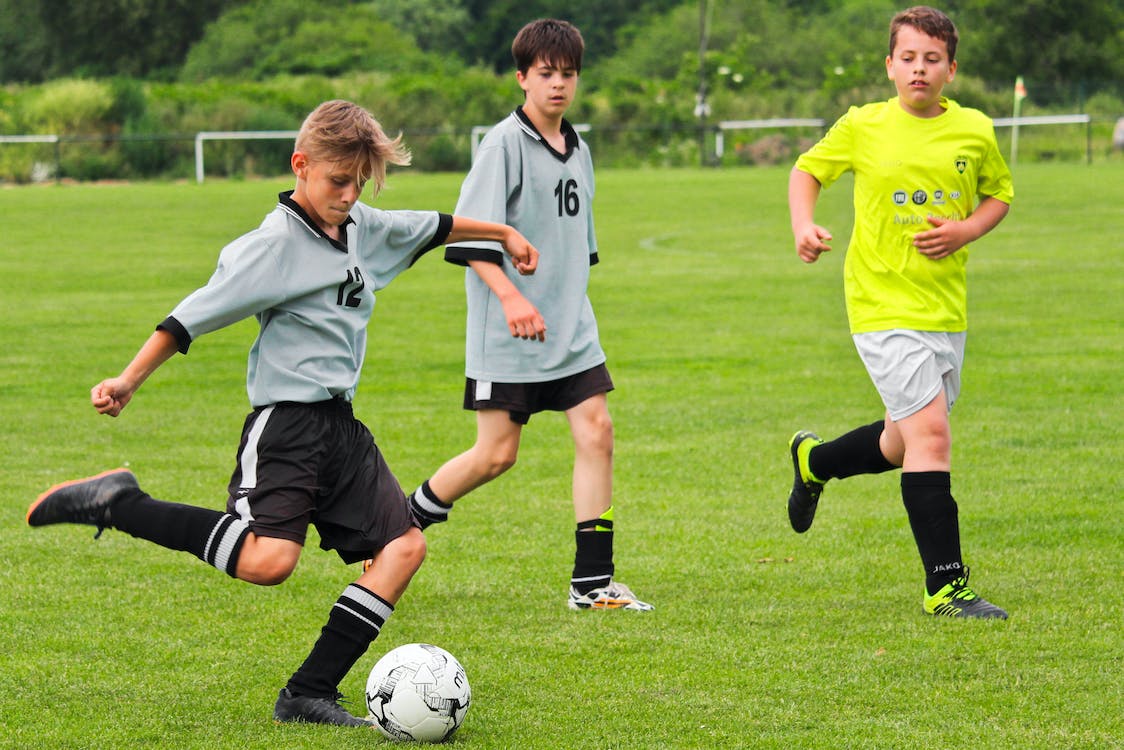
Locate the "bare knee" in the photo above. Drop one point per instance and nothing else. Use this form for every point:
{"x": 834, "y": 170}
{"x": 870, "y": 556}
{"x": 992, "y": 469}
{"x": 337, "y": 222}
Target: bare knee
{"x": 493, "y": 460}
{"x": 595, "y": 435}
{"x": 408, "y": 551}
{"x": 394, "y": 565}
{"x": 264, "y": 571}
{"x": 267, "y": 561}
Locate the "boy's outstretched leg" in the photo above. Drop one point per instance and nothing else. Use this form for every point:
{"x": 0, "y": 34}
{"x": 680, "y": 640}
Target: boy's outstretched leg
{"x": 113, "y": 499}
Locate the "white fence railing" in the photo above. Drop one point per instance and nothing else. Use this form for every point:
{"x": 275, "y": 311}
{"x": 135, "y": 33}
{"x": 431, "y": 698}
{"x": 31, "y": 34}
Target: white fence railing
{"x": 477, "y": 133}
{"x": 775, "y": 122}
{"x": 234, "y": 135}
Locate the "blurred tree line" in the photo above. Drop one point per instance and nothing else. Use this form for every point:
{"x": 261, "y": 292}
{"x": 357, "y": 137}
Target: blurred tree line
{"x": 1075, "y": 42}
{"x": 113, "y": 68}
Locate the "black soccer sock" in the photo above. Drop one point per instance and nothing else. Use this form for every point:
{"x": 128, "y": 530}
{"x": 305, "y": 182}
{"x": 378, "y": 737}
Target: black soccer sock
{"x": 427, "y": 508}
{"x": 354, "y": 622}
{"x": 215, "y": 538}
{"x": 856, "y": 452}
{"x": 928, "y": 500}
{"x": 593, "y": 555}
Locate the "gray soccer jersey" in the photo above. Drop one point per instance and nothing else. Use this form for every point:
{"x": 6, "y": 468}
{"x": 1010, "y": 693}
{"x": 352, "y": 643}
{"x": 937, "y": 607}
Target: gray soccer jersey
{"x": 312, "y": 296}
{"x": 518, "y": 179}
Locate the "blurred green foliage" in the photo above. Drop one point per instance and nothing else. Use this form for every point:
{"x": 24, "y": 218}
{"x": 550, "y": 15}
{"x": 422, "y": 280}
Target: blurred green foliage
{"x": 127, "y": 85}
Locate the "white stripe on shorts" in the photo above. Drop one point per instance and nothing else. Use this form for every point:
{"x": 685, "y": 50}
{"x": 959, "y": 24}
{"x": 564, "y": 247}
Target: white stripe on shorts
{"x": 249, "y": 458}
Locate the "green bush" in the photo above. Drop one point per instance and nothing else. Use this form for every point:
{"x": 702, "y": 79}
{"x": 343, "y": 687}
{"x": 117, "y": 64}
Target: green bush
{"x": 124, "y": 128}
{"x": 69, "y": 106}
{"x": 267, "y": 38}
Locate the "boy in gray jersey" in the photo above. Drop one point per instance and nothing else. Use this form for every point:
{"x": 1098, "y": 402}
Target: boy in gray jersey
{"x": 534, "y": 172}
{"x": 308, "y": 274}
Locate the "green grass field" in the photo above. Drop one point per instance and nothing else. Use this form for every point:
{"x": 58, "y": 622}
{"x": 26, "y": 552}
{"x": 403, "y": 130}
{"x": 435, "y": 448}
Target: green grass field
{"x": 722, "y": 344}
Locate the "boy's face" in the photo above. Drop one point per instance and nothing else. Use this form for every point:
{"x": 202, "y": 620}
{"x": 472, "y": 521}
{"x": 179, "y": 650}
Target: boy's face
{"x": 325, "y": 190}
{"x": 920, "y": 68}
{"x": 549, "y": 88}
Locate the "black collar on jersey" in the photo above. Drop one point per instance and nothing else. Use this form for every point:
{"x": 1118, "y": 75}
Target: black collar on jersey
{"x": 568, "y": 133}
{"x": 285, "y": 199}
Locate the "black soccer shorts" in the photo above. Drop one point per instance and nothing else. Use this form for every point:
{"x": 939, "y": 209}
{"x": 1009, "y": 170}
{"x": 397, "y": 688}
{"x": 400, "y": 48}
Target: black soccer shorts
{"x": 521, "y": 400}
{"x": 316, "y": 463}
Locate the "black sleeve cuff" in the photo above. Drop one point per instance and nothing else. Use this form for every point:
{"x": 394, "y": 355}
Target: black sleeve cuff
{"x": 593, "y": 259}
{"x": 460, "y": 256}
{"x": 444, "y": 226}
{"x": 174, "y": 327}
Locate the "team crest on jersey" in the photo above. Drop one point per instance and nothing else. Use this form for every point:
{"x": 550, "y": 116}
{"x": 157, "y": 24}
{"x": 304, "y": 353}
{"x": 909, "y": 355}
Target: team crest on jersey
{"x": 961, "y": 164}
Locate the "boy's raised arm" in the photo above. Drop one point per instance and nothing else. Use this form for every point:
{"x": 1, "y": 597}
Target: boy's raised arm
{"x": 523, "y": 254}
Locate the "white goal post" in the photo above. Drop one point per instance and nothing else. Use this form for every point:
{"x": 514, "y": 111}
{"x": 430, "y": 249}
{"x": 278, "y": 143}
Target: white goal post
{"x": 234, "y": 135}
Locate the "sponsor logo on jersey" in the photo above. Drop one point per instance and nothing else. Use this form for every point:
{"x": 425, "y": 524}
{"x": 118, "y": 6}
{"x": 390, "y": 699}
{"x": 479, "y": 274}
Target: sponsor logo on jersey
{"x": 920, "y": 197}
{"x": 908, "y": 219}
{"x": 900, "y": 197}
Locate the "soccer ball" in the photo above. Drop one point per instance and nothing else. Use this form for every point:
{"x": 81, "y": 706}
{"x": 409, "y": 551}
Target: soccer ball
{"x": 418, "y": 692}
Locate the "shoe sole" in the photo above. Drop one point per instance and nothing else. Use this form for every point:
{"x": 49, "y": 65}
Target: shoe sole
{"x": 613, "y": 604}
{"x": 63, "y": 485}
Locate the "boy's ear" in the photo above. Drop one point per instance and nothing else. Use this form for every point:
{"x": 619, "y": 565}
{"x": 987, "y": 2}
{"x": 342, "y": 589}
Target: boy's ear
{"x": 299, "y": 162}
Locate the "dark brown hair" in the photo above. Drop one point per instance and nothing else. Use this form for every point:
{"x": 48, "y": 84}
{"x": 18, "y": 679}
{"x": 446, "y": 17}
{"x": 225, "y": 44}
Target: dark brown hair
{"x": 558, "y": 43}
{"x": 929, "y": 21}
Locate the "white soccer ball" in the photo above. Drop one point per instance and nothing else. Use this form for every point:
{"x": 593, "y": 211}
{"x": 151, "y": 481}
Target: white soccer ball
{"x": 418, "y": 692}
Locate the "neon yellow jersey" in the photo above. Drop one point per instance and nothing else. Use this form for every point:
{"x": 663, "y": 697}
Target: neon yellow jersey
{"x": 906, "y": 169}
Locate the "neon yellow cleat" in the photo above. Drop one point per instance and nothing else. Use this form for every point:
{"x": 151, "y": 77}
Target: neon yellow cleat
{"x": 806, "y": 489}
{"x": 955, "y": 599}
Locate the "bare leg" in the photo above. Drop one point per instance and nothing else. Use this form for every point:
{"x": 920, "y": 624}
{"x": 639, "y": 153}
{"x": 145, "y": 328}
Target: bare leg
{"x": 495, "y": 451}
{"x": 592, "y": 430}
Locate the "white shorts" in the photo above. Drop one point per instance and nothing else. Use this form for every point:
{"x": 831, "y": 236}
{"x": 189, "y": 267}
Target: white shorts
{"x": 910, "y": 368}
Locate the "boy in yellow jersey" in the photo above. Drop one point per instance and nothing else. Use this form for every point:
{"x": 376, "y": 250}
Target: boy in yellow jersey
{"x": 921, "y": 162}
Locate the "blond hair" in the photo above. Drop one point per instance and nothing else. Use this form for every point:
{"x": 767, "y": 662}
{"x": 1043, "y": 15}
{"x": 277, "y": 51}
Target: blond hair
{"x": 341, "y": 131}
